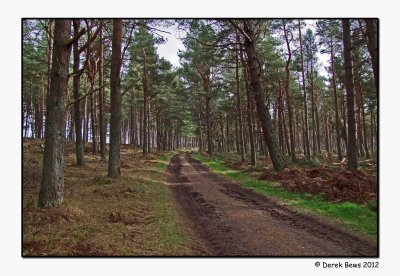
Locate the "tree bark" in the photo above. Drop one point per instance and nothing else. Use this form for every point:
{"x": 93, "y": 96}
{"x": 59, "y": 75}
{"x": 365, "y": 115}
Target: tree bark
{"x": 253, "y": 64}
{"x": 145, "y": 105}
{"x": 114, "y": 162}
{"x": 93, "y": 120}
{"x": 133, "y": 120}
{"x": 337, "y": 122}
{"x": 372, "y": 44}
{"x": 307, "y": 141}
{"x": 288, "y": 97}
{"x": 317, "y": 119}
{"x": 77, "y": 103}
{"x": 249, "y": 118}
{"x": 208, "y": 114}
{"x": 238, "y": 104}
{"x": 352, "y": 142}
{"x": 327, "y": 133}
{"x": 314, "y": 144}
{"x": 101, "y": 96}
{"x": 52, "y": 184}
{"x": 50, "y": 54}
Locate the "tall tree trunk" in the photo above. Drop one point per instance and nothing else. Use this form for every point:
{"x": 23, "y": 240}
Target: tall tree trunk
{"x": 148, "y": 123}
{"x": 50, "y": 54}
{"x": 133, "y": 120}
{"x": 93, "y": 119}
{"x": 307, "y": 141}
{"x": 344, "y": 120}
{"x": 372, "y": 44}
{"x": 327, "y": 133}
{"x": 200, "y": 129}
{"x": 228, "y": 139}
{"x": 145, "y": 105}
{"x": 77, "y": 103}
{"x": 269, "y": 135}
{"x": 208, "y": 118}
{"x": 52, "y": 184}
{"x": 348, "y": 66}
{"x": 337, "y": 122}
{"x": 238, "y": 103}
{"x": 288, "y": 97}
{"x": 372, "y": 118}
{"x": 303, "y": 133}
{"x": 114, "y": 162}
{"x": 249, "y": 117}
{"x": 285, "y": 132}
{"x": 86, "y": 122}
{"x": 363, "y": 124}
{"x": 71, "y": 126}
{"x": 314, "y": 143}
{"x": 101, "y": 95}
{"x": 359, "y": 121}
{"x": 237, "y": 133}
{"x": 317, "y": 122}
{"x": 279, "y": 122}
{"x": 29, "y": 110}
{"x": 42, "y": 93}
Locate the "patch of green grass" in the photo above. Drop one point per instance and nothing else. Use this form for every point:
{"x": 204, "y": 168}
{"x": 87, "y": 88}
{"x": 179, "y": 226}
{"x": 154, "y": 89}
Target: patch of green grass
{"x": 164, "y": 160}
{"x": 360, "y": 218}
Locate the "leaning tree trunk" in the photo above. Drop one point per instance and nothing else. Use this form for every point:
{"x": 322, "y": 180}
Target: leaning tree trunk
{"x": 265, "y": 118}
{"x": 114, "y": 162}
{"x": 52, "y": 184}
{"x": 351, "y": 122}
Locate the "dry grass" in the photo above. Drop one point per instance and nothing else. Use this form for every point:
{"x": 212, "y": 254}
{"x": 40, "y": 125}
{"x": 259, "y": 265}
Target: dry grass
{"x": 133, "y": 215}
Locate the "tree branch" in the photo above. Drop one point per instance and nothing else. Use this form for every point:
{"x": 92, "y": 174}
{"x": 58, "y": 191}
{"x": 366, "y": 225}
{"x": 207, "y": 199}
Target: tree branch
{"x": 237, "y": 27}
{"x": 84, "y": 96}
{"x": 75, "y": 38}
{"x": 127, "y": 89}
{"x": 127, "y": 43}
{"x": 83, "y": 48}
{"x": 79, "y": 72}
{"x": 215, "y": 45}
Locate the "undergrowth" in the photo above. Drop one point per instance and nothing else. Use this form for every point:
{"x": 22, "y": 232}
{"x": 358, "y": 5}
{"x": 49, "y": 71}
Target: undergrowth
{"x": 133, "y": 215}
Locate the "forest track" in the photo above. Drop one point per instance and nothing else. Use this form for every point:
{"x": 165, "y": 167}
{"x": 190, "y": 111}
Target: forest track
{"x": 234, "y": 221}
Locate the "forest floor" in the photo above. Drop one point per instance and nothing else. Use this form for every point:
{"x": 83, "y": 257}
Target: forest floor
{"x": 134, "y": 215}
{"x": 171, "y": 204}
{"x": 234, "y": 220}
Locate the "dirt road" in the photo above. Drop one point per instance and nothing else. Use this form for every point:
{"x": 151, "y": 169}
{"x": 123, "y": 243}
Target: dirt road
{"x": 235, "y": 221}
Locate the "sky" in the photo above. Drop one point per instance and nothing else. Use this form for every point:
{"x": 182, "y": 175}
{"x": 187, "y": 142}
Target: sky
{"x": 173, "y": 44}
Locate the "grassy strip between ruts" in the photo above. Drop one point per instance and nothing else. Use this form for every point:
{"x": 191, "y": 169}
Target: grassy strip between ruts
{"x": 353, "y": 216}
{"x": 133, "y": 215}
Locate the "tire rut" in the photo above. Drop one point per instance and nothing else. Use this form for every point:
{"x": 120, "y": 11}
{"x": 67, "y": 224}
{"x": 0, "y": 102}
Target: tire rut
{"x": 223, "y": 214}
